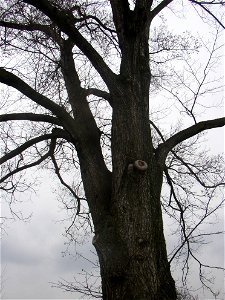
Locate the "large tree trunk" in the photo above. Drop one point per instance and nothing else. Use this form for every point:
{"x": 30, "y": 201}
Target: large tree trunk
{"x": 130, "y": 243}
{"x": 129, "y": 236}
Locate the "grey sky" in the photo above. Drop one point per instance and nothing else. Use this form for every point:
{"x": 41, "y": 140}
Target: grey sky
{"x": 32, "y": 252}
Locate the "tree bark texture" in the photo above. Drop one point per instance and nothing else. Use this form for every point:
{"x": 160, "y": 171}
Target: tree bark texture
{"x": 130, "y": 243}
{"x": 131, "y": 247}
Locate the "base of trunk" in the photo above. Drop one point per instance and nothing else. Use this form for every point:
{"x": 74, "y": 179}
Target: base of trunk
{"x": 139, "y": 286}
{"x": 142, "y": 275}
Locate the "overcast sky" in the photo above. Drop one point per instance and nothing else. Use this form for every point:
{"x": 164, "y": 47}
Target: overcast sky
{"x": 31, "y": 252}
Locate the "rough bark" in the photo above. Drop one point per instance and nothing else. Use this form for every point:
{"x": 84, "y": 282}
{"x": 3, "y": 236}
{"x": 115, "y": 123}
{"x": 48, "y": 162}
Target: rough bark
{"x": 134, "y": 265}
{"x": 131, "y": 245}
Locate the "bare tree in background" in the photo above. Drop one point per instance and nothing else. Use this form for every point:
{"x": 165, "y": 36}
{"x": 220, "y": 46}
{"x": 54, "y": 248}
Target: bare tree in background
{"x": 84, "y": 72}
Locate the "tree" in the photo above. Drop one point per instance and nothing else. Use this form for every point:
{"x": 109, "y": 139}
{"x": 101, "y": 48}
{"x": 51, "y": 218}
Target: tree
{"x": 70, "y": 43}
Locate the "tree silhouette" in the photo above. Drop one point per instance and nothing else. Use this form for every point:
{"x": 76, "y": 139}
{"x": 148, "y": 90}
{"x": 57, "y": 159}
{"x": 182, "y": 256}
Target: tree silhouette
{"x": 71, "y": 61}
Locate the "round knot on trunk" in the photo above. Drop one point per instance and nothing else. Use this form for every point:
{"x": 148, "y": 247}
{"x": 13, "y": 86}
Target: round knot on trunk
{"x": 140, "y": 165}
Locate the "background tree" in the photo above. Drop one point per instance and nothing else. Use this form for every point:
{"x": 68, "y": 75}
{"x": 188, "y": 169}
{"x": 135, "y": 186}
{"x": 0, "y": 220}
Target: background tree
{"x": 78, "y": 59}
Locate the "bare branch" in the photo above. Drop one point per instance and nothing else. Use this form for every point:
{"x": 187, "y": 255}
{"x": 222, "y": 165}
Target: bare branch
{"x": 29, "y": 143}
{"x": 27, "y": 166}
{"x": 57, "y": 171}
{"x": 27, "y": 27}
{"x": 85, "y": 17}
{"x": 98, "y": 93}
{"x": 47, "y": 29}
{"x": 120, "y": 10}
{"x": 65, "y": 20}
{"x": 30, "y": 117}
{"x": 11, "y": 79}
{"x": 143, "y": 4}
{"x": 160, "y": 7}
{"x": 202, "y": 5}
{"x": 187, "y": 236}
{"x": 207, "y": 186}
{"x": 187, "y": 133}
{"x": 125, "y": 20}
{"x": 68, "y": 122}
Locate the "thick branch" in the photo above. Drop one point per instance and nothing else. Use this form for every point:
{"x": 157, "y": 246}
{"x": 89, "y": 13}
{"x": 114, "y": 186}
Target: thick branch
{"x": 68, "y": 122}
{"x": 187, "y": 133}
{"x": 47, "y": 29}
{"x": 65, "y": 20}
{"x": 130, "y": 22}
{"x": 27, "y": 27}
{"x": 120, "y": 9}
{"x": 85, "y": 17}
{"x": 30, "y": 117}
{"x": 55, "y": 134}
{"x": 99, "y": 93}
{"x": 88, "y": 147}
{"x": 160, "y": 7}
{"x": 11, "y": 79}
{"x": 143, "y": 4}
